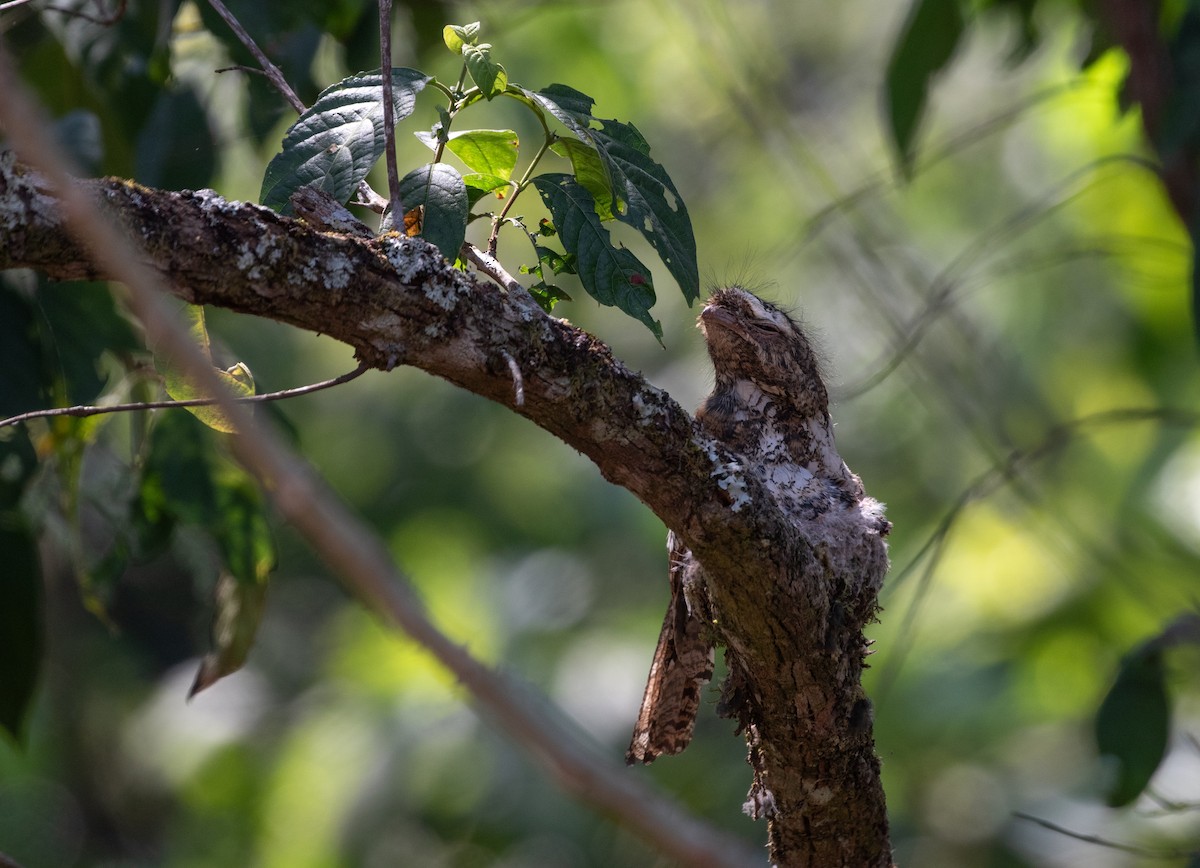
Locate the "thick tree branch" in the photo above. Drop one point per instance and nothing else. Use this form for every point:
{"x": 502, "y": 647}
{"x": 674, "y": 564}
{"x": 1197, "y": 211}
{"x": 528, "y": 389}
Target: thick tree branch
{"x": 792, "y": 601}
{"x": 395, "y": 300}
{"x": 342, "y": 541}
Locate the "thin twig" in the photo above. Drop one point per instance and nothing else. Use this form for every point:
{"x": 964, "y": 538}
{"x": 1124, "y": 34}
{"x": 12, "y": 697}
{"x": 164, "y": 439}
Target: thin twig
{"x": 343, "y": 542}
{"x": 389, "y": 122}
{"x": 490, "y": 265}
{"x": 271, "y": 70}
{"x": 1149, "y": 852}
{"x": 98, "y": 410}
{"x": 108, "y": 21}
{"x": 1056, "y": 438}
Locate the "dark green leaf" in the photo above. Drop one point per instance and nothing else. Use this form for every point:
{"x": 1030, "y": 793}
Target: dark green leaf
{"x": 239, "y": 609}
{"x": 243, "y": 535}
{"x": 557, "y": 263}
{"x": 641, "y": 193}
{"x": 650, "y": 203}
{"x": 611, "y": 275}
{"x": 926, "y": 43}
{"x": 336, "y": 142}
{"x": 547, "y": 295}
{"x": 485, "y": 72}
{"x": 22, "y": 387}
{"x": 20, "y": 622}
{"x": 440, "y": 190}
{"x": 572, "y": 107}
{"x": 177, "y": 477}
{"x": 1132, "y": 725}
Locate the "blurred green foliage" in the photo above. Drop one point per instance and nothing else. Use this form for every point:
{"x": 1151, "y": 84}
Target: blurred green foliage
{"x": 1030, "y": 273}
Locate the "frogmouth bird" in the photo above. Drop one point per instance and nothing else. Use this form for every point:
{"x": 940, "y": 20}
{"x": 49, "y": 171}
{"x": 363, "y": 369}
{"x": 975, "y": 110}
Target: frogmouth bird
{"x": 770, "y": 406}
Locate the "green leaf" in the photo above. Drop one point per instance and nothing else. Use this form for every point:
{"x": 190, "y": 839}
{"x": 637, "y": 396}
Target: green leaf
{"x": 485, "y": 72}
{"x": 243, "y": 535}
{"x": 488, "y": 152}
{"x": 456, "y": 36}
{"x": 185, "y": 480}
{"x": 479, "y": 185}
{"x": 1133, "y": 723}
{"x": 642, "y": 194}
{"x": 180, "y": 387}
{"x": 611, "y": 275}
{"x": 20, "y": 623}
{"x": 438, "y": 189}
{"x": 589, "y": 171}
{"x": 340, "y": 138}
{"x": 926, "y": 43}
{"x": 547, "y": 295}
{"x": 239, "y": 610}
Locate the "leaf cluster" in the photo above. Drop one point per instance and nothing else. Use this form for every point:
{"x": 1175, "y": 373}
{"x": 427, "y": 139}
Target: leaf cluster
{"x": 611, "y": 177}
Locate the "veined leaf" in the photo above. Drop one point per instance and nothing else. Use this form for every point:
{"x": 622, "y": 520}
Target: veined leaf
{"x": 487, "y": 152}
{"x": 456, "y": 36}
{"x": 479, "y": 185}
{"x": 641, "y": 193}
{"x": 335, "y": 143}
{"x": 611, "y": 275}
{"x": 485, "y": 72}
{"x": 589, "y": 171}
{"x": 440, "y": 192}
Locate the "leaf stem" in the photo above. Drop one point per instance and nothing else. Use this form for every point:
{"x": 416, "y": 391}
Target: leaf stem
{"x": 498, "y": 220}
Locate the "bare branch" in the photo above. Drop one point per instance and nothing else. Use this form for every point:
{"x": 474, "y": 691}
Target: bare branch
{"x": 83, "y": 411}
{"x": 389, "y": 122}
{"x": 270, "y": 69}
{"x": 1149, "y": 852}
{"x": 341, "y": 540}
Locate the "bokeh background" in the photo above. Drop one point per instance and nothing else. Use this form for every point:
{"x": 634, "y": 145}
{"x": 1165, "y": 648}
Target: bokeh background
{"x": 1030, "y": 274}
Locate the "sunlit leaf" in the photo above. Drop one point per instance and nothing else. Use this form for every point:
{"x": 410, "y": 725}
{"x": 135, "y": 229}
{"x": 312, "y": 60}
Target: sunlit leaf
{"x": 926, "y": 43}
{"x": 336, "y": 142}
{"x": 485, "y": 72}
{"x": 1132, "y": 725}
{"x": 479, "y": 185}
{"x": 612, "y": 275}
{"x": 589, "y": 171}
{"x": 487, "y": 152}
{"x": 456, "y": 36}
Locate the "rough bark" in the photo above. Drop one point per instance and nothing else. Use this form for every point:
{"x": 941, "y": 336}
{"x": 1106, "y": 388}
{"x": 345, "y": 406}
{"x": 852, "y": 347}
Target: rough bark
{"x": 792, "y": 605}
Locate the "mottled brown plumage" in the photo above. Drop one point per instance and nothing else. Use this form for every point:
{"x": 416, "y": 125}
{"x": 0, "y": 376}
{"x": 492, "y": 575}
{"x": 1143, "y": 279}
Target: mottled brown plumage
{"x": 771, "y": 407}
